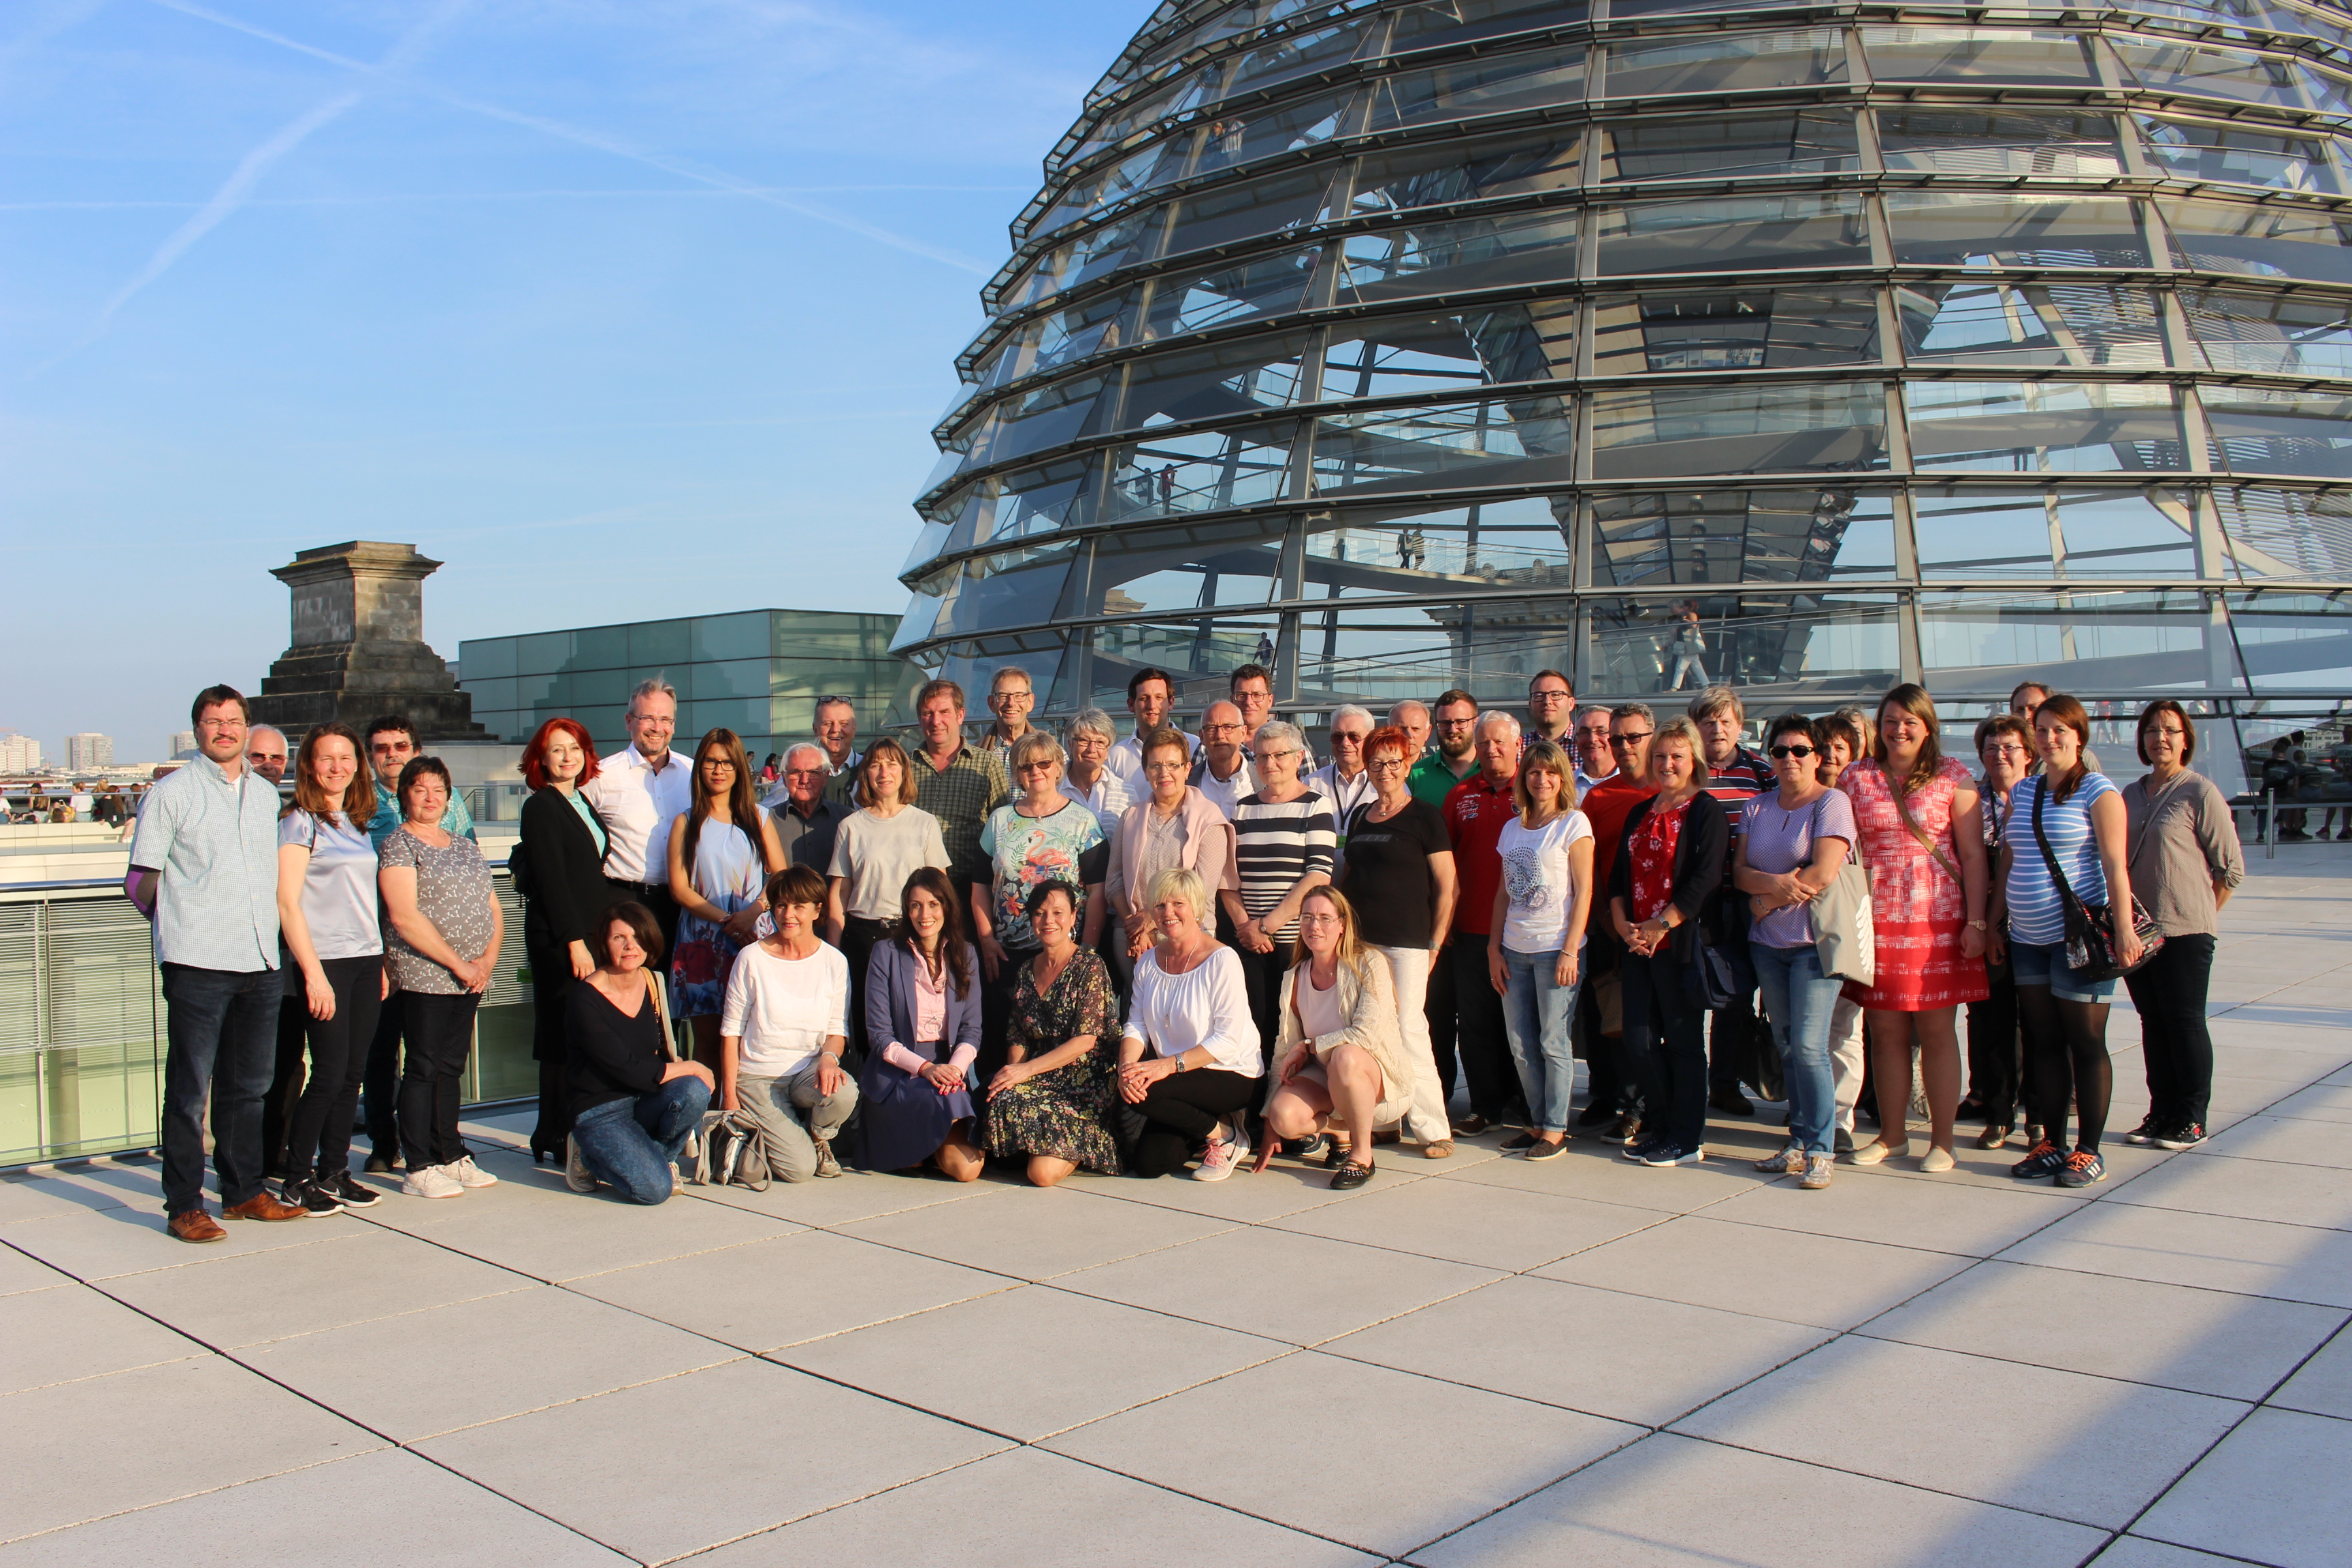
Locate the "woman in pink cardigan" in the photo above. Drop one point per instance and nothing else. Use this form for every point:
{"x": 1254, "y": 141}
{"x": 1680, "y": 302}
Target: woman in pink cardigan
{"x": 1175, "y": 825}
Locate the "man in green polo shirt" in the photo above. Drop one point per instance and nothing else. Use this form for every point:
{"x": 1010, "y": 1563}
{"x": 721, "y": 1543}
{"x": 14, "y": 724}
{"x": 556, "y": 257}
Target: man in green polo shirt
{"x": 1457, "y": 757}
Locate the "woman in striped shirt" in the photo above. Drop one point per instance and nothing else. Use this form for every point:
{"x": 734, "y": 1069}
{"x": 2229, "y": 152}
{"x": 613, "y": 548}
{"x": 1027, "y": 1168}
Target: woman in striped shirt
{"x": 1285, "y": 838}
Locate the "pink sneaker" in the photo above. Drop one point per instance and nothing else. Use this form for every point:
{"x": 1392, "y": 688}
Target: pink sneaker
{"x": 1219, "y": 1162}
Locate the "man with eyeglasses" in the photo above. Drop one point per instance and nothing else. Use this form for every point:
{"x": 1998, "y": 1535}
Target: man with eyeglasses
{"x": 1588, "y": 745}
{"x": 1616, "y": 1095}
{"x": 1457, "y": 756}
{"x": 1737, "y": 1038}
{"x": 1551, "y": 709}
{"x": 1011, "y": 696}
{"x": 1222, "y": 770}
{"x": 1343, "y": 780}
{"x": 807, "y": 820}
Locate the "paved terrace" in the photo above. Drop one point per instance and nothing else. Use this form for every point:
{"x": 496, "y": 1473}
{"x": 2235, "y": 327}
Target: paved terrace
{"x": 1479, "y": 1362}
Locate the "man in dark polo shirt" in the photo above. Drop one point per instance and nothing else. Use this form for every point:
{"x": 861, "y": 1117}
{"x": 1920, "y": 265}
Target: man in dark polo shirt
{"x": 1475, "y": 810}
{"x": 806, "y": 820}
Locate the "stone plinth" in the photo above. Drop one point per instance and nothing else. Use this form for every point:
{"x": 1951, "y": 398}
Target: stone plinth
{"x": 359, "y": 646}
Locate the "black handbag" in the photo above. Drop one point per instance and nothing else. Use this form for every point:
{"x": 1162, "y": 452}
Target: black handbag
{"x": 2090, "y": 927}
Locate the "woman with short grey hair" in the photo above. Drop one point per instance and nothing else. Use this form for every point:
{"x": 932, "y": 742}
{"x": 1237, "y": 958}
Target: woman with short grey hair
{"x": 1284, "y": 845}
{"x": 1089, "y": 779}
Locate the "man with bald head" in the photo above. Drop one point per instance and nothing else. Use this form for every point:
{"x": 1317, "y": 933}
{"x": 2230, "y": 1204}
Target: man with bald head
{"x": 266, "y": 754}
{"x": 1223, "y": 770}
{"x": 1412, "y": 718}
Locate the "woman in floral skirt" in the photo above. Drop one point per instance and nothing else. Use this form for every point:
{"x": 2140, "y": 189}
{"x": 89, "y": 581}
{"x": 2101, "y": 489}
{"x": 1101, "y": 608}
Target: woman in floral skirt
{"x": 1053, "y": 1102}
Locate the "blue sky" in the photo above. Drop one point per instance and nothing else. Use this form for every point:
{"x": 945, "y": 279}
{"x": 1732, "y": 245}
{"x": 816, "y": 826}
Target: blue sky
{"x": 622, "y": 307}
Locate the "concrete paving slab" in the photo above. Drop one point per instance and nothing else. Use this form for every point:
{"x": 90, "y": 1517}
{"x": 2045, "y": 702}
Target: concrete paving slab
{"x": 579, "y": 1236}
{"x": 21, "y": 1272}
{"x": 2287, "y": 1140}
{"x": 2321, "y": 1103}
{"x": 2273, "y": 1492}
{"x": 2324, "y": 1385}
{"x": 58, "y": 1336}
{"x": 1600, "y": 1173}
{"x": 2289, "y": 1262}
{"x": 1035, "y": 1233}
{"x": 1952, "y": 1218}
{"x": 108, "y": 1244}
{"x": 2246, "y": 1189}
{"x": 1826, "y": 1281}
{"x": 1509, "y": 1228}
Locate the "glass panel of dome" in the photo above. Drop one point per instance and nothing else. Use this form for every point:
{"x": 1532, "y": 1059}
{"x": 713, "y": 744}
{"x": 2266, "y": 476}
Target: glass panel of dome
{"x": 1192, "y": 566}
{"x": 1200, "y": 654}
{"x": 1299, "y": 55}
{"x": 2270, "y": 334}
{"x": 1734, "y": 233}
{"x": 1487, "y": 647}
{"x": 1951, "y": 141}
{"x": 1139, "y": 171}
{"x": 1443, "y": 22}
{"x": 1236, "y": 138}
{"x": 1018, "y": 504}
{"x": 1451, "y": 353}
{"x": 1660, "y": 432}
{"x": 1758, "y": 329}
{"x": 1977, "y": 56}
{"x": 2002, "y": 229}
{"x": 1999, "y": 323}
{"x": 1228, "y": 379}
{"x": 1056, "y": 339}
{"x": 2170, "y": 66}
{"x": 2106, "y": 641}
{"x": 1791, "y": 536}
{"x": 1433, "y": 176}
{"x": 2268, "y": 241}
{"x": 1620, "y": 10}
{"x": 1507, "y": 441}
{"x": 1468, "y": 87}
{"x": 2328, "y": 91}
{"x": 1966, "y": 531}
{"x": 2044, "y": 427}
{"x": 1409, "y": 549}
{"x": 1204, "y": 471}
{"x": 1190, "y": 302}
{"x": 2294, "y": 642}
{"x": 1138, "y": 114}
{"x": 1407, "y": 262}
{"x": 1042, "y": 416}
{"x": 2278, "y": 533}
{"x": 1263, "y": 209}
{"x": 2262, "y": 432}
{"x": 1814, "y": 647}
{"x": 1742, "y": 62}
{"x": 1002, "y": 588}
{"x": 1045, "y": 655}
{"x": 2235, "y": 155}
{"x": 1792, "y": 141}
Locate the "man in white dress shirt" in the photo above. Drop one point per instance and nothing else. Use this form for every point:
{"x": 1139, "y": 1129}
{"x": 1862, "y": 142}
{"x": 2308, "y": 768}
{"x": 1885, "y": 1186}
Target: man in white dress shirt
{"x": 638, "y": 792}
{"x": 1344, "y": 779}
{"x": 1150, "y": 694}
{"x": 1221, "y": 771}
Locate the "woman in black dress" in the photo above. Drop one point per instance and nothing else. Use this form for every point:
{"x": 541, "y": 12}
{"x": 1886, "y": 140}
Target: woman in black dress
{"x": 559, "y": 868}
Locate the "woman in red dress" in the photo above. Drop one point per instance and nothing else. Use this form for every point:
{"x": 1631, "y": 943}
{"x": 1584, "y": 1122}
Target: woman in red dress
{"x": 1922, "y": 842}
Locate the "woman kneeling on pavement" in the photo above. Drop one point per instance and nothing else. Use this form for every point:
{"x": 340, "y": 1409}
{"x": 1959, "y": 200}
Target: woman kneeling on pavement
{"x": 1340, "y": 1044}
{"x": 922, "y": 1034}
{"x": 781, "y": 1036}
{"x": 1053, "y": 1102}
{"x": 633, "y": 1108}
{"x": 1189, "y": 1062}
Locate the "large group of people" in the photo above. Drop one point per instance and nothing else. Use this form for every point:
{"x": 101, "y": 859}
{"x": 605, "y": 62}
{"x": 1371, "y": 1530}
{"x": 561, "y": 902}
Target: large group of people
{"x": 1160, "y": 952}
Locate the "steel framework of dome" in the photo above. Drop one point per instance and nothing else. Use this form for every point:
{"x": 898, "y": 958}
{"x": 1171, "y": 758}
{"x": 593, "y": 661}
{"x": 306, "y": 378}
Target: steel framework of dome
{"x": 1421, "y": 343}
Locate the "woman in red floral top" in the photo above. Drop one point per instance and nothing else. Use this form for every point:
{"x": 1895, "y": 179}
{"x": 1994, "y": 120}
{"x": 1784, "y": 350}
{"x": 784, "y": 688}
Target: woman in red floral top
{"x": 1668, "y": 870}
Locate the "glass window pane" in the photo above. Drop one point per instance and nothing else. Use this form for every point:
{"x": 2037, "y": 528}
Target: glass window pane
{"x": 972, "y": 665}
{"x": 1469, "y": 88}
{"x": 1619, "y": 9}
{"x": 1200, "y": 654}
{"x": 1237, "y": 138}
{"x": 1488, "y": 646}
{"x": 2028, "y": 427}
{"x": 543, "y": 653}
{"x": 1407, "y": 262}
{"x": 1797, "y": 141}
{"x": 1204, "y": 471}
{"x": 2270, "y": 334}
{"x": 1263, "y": 285}
{"x": 1299, "y": 54}
{"x": 1274, "y": 204}
{"x": 1743, "y": 62}
{"x": 1017, "y": 504}
{"x": 659, "y": 643}
{"x": 1784, "y": 652}
{"x": 2211, "y": 72}
{"x": 1192, "y": 566}
{"x": 1002, "y": 588}
{"x": 1089, "y": 255}
{"x": 1430, "y": 176}
{"x": 2277, "y": 533}
{"x": 601, "y": 647}
{"x": 488, "y": 658}
{"x": 1443, "y": 22}
{"x": 1137, "y": 114}
{"x": 2235, "y": 155}
{"x": 1042, "y": 416}
{"x": 730, "y": 638}
{"x": 2000, "y": 142}
{"x": 1769, "y": 329}
{"x": 1527, "y": 440}
{"x": 1978, "y": 55}
{"x": 2001, "y": 228}
{"x": 1451, "y": 353}
{"x": 2080, "y": 324}
{"x": 1661, "y": 431}
{"x": 1966, "y": 531}
{"x": 1733, "y": 536}
{"x": 1106, "y": 187}
{"x": 1733, "y": 234}
{"x": 1409, "y": 548}
{"x": 1057, "y": 339}
{"x": 1226, "y": 379}
{"x": 2261, "y": 432}
{"x": 2294, "y": 642}
{"x": 2104, "y": 641}
{"x": 2260, "y": 241}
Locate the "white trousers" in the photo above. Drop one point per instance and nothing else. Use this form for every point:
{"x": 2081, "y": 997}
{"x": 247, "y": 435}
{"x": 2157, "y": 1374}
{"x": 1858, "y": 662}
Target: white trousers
{"x": 1845, "y": 1059}
{"x": 1426, "y": 1121}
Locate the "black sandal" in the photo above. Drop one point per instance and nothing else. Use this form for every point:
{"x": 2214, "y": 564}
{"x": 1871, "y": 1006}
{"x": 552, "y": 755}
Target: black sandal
{"x": 1350, "y": 1176}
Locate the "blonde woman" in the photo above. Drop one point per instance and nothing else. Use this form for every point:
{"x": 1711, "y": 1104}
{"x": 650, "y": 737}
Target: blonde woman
{"x": 1189, "y": 1059}
{"x": 1340, "y": 1046}
{"x": 1541, "y": 902}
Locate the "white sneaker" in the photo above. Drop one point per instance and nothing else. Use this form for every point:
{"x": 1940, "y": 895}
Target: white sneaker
{"x": 431, "y": 1181}
{"x": 467, "y": 1174}
{"x": 1219, "y": 1162}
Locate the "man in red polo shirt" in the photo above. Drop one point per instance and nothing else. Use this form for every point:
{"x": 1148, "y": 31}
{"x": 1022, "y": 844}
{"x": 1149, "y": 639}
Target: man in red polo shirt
{"x": 1615, "y": 1096}
{"x": 1737, "y": 1038}
{"x": 1475, "y": 810}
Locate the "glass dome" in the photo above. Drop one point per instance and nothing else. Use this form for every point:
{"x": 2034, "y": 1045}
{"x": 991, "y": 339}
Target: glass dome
{"x": 1419, "y": 343}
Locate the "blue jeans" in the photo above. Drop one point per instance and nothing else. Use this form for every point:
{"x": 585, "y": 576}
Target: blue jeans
{"x": 221, "y": 1031}
{"x": 1536, "y": 1018}
{"x": 629, "y": 1145}
{"x": 1799, "y": 1000}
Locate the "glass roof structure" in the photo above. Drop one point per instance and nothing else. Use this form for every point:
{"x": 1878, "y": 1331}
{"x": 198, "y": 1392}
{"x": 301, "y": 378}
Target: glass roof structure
{"x": 1404, "y": 344}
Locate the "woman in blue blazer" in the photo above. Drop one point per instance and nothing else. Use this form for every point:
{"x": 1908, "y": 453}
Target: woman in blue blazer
{"x": 922, "y": 1033}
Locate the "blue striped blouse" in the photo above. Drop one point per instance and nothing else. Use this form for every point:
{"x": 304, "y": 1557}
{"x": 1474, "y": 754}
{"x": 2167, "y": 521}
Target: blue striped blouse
{"x": 2036, "y": 916}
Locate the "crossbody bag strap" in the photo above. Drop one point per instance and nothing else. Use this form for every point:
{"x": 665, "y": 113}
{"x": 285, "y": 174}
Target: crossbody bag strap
{"x": 661, "y": 1010}
{"x": 2049, "y": 860}
{"x": 1902, "y": 811}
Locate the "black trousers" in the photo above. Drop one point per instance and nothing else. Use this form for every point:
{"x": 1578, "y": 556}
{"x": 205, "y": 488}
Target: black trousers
{"x": 1733, "y": 1035}
{"x": 440, "y": 1036}
{"x": 286, "y": 1082}
{"x": 1183, "y": 1109}
{"x": 1665, "y": 1042}
{"x": 1444, "y": 1019}
{"x": 550, "y": 988}
{"x": 1606, "y": 1083}
{"x": 381, "y": 1081}
{"x": 2169, "y": 992}
{"x": 1996, "y": 1048}
{"x": 1486, "y": 1053}
{"x": 321, "y": 1137}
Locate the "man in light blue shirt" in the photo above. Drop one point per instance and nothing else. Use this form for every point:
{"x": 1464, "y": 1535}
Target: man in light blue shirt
{"x": 205, "y": 867}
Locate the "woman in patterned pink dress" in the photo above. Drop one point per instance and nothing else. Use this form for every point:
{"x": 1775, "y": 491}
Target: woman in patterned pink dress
{"x": 1927, "y": 891}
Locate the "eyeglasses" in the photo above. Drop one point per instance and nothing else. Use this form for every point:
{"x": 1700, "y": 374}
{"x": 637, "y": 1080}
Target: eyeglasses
{"x": 1385, "y": 765}
{"x": 1616, "y": 740}
{"x": 1274, "y": 756}
{"x": 1550, "y": 696}
{"x": 1780, "y": 752}
{"x": 1457, "y": 724}
{"x": 1319, "y": 919}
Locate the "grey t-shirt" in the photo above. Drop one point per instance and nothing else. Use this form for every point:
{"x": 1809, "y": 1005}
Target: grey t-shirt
{"x": 877, "y": 855}
{"x": 1779, "y": 842}
{"x": 339, "y": 890}
{"x": 453, "y": 891}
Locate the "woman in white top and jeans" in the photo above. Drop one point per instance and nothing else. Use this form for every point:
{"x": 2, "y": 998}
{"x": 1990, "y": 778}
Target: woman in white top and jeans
{"x": 1190, "y": 1061}
{"x": 1541, "y": 902}
{"x": 782, "y": 1031}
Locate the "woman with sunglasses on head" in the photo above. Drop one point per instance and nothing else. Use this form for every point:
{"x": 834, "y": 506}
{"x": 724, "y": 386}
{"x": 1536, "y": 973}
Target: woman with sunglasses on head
{"x": 1792, "y": 844}
{"x": 1041, "y": 835}
{"x": 722, "y": 850}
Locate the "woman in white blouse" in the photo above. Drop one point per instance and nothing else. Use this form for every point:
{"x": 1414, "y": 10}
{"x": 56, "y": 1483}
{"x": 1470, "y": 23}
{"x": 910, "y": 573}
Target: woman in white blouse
{"x": 1189, "y": 1063}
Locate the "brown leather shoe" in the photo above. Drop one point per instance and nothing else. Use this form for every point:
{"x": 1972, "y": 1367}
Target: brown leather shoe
{"x": 261, "y": 1206}
{"x": 196, "y": 1224}
{"x": 1442, "y": 1149}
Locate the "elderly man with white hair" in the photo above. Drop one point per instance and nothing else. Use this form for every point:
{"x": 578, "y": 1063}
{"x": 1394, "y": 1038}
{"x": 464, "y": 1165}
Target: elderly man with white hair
{"x": 1343, "y": 779}
{"x": 1222, "y": 770}
{"x": 807, "y": 817}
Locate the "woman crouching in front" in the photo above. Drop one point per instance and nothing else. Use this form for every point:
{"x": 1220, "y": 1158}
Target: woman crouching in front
{"x": 633, "y": 1108}
{"x": 1340, "y": 1044}
{"x": 1190, "y": 1060}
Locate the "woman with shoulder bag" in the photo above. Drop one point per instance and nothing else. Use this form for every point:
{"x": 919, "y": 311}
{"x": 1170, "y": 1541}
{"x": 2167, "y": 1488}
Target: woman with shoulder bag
{"x": 722, "y": 850}
{"x": 633, "y": 1108}
{"x": 2181, "y": 845}
{"x": 1341, "y": 1045}
{"x": 2071, "y": 817}
{"x": 1668, "y": 870}
{"x": 1792, "y": 845}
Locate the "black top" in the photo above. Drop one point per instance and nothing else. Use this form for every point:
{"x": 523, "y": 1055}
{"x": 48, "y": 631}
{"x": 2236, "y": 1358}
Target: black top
{"x": 1700, "y": 852}
{"x": 1385, "y": 872}
{"x": 566, "y": 889}
{"x": 610, "y": 1055}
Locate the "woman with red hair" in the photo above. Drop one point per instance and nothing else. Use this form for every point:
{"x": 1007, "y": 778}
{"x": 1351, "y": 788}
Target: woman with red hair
{"x": 559, "y": 868}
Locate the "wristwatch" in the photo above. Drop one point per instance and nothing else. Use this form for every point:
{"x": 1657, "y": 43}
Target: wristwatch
{"x": 1978, "y": 925}
{"x": 1179, "y": 1060}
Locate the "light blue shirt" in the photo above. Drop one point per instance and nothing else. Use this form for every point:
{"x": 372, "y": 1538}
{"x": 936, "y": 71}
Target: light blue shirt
{"x": 388, "y": 818}
{"x": 213, "y": 842}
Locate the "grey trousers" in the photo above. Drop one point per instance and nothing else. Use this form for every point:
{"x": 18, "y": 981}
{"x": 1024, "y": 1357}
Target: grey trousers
{"x": 790, "y": 1151}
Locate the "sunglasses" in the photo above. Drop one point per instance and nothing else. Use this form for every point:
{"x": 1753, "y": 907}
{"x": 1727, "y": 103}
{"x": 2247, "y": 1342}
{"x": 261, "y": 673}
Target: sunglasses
{"x": 1780, "y": 752}
{"x": 1628, "y": 740}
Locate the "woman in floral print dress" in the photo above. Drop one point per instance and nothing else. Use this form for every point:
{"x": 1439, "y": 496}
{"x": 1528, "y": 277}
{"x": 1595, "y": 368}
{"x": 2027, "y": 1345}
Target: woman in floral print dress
{"x": 1053, "y": 1102}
